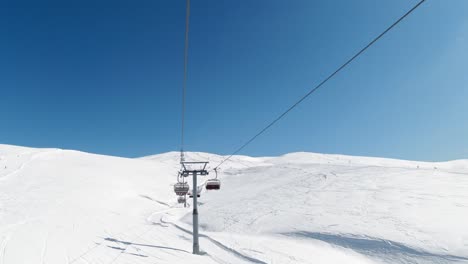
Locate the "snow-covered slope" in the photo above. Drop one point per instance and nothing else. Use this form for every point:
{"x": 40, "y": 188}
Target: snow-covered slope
{"x": 62, "y": 206}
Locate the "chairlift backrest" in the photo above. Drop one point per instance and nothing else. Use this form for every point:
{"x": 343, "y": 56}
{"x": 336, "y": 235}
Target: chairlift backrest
{"x": 181, "y": 188}
{"x": 213, "y": 184}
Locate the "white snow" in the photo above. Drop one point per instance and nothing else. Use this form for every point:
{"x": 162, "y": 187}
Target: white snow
{"x": 63, "y": 206}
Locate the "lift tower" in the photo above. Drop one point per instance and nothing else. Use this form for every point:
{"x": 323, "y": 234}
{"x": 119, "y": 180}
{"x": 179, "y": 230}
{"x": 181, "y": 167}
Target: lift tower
{"x": 194, "y": 168}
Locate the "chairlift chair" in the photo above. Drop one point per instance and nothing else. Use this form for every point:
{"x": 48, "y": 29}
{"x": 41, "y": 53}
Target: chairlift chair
{"x": 181, "y": 199}
{"x": 213, "y": 184}
{"x": 181, "y": 188}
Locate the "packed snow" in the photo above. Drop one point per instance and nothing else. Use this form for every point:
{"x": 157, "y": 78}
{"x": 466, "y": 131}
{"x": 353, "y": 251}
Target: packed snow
{"x": 64, "y": 206}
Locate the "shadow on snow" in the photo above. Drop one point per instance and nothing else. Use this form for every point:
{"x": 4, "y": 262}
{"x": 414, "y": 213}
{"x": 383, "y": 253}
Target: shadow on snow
{"x": 383, "y": 249}
{"x": 141, "y": 245}
{"x": 219, "y": 244}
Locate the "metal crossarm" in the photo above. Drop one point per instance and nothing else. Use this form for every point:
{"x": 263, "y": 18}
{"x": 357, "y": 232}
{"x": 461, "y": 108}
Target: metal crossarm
{"x": 187, "y": 170}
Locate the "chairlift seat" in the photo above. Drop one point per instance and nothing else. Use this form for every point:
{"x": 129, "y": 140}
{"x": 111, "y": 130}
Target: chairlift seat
{"x": 181, "y": 188}
{"x": 213, "y": 184}
{"x": 181, "y": 199}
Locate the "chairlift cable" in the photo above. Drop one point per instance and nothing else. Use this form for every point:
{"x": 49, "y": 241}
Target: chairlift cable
{"x": 184, "y": 85}
{"x": 321, "y": 83}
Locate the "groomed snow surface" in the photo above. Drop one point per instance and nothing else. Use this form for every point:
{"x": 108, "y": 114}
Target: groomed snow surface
{"x": 63, "y": 206}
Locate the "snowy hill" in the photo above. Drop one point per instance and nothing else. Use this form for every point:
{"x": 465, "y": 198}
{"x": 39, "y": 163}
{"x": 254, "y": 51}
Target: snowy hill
{"x": 63, "y": 206}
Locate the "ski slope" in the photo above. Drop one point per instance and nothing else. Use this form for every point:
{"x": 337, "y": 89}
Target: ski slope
{"x": 64, "y": 206}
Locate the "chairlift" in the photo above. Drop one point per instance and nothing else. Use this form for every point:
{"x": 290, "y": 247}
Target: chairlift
{"x": 181, "y": 199}
{"x": 213, "y": 184}
{"x": 181, "y": 188}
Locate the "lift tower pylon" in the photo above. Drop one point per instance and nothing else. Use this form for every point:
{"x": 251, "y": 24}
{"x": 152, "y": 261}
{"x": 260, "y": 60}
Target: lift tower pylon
{"x": 194, "y": 168}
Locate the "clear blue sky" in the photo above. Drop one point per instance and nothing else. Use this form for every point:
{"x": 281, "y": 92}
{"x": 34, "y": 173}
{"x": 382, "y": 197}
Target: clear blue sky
{"x": 106, "y": 76}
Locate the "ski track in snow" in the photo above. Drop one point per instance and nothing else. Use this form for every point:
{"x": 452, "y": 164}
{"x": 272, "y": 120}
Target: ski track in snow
{"x": 44, "y": 249}
{"x": 34, "y": 156}
{"x": 3, "y": 246}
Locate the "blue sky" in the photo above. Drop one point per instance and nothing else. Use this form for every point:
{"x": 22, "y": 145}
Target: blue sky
{"x": 106, "y": 77}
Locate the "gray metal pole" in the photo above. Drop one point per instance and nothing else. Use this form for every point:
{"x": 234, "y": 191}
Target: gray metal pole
{"x": 196, "y": 246}
{"x": 185, "y": 198}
